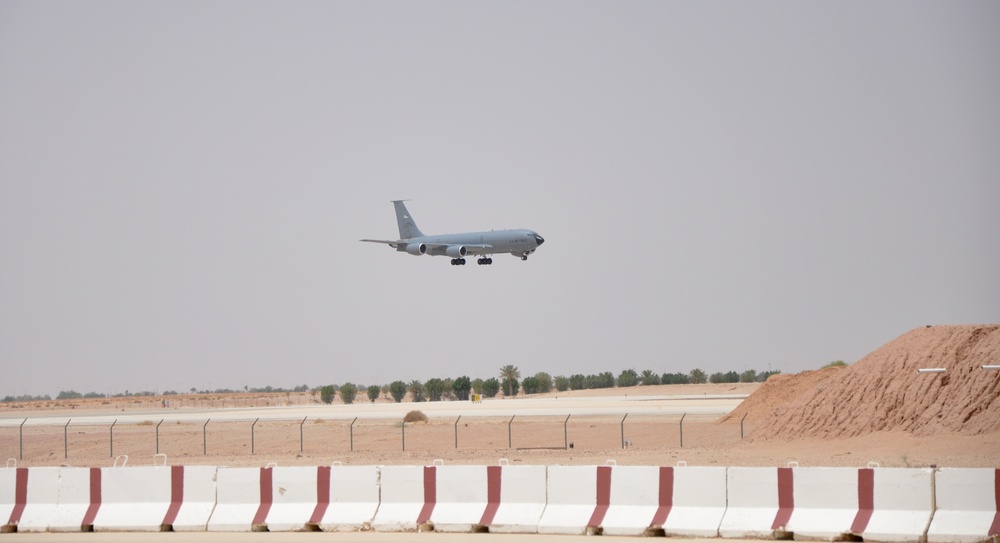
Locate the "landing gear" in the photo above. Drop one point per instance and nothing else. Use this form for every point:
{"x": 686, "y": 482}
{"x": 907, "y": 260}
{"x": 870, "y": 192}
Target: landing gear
{"x": 524, "y": 257}
{"x": 458, "y": 262}
{"x": 485, "y": 261}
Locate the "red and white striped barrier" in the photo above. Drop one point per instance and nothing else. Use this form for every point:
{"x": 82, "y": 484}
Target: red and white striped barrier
{"x": 134, "y": 499}
{"x": 760, "y": 502}
{"x": 683, "y": 501}
{"x": 243, "y": 499}
{"x": 461, "y": 495}
{"x": 192, "y": 498}
{"x": 516, "y": 499}
{"x": 160, "y": 498}
{"x": 823, "y": 503}
{"x": 13, "y": 497}
{"x": 488, "y": 498}
{"x": 408, "y": 497}
{"x": 968, "y": 505}
{"x": 578, "y": 499}
{"x": 294, "y": 496}
{"x": 324, "y": 498}
{"x": 348, "y": 498}
{"x": 61, "y": 500}
{"x": 879, "y": 504}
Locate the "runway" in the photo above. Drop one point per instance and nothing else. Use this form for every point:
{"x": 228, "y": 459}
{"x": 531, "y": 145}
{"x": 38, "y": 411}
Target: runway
{"x": 718, "y": 404}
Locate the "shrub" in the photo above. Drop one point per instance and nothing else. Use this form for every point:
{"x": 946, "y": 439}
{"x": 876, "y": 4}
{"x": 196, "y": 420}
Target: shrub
{"x": 415, "y": 416}
{"x": 562, "y": 383}
{"x": 348, "y": 391}
{"x": 435, "y": 389}
{"x": 628, "y": 378}
{"x": 544, "y": 381}
{"x": 398, "y": 390}
{"x": 373, "y": 392}
{"x": 461, "y": 387}
{"x": 491, "y": 387}
{"x": 327, "y": 393}
{"x": 416, "y": 389}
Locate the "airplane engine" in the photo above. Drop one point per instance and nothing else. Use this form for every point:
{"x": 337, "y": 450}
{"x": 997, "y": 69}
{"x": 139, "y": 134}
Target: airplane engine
{"x": 455, "y": 251}
{"x": 416, "y": 249}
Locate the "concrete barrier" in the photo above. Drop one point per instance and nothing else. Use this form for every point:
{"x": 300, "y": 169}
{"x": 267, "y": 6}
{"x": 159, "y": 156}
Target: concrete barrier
{"x": 578, "y": 499}
{"x": 294, "y": 497}
{"x": 902, "y": 503}
{"x": 968, "y": 501}
{"x": 161, "y": 498}
{"x": 408, "y": 496}
{"x": 348, "y": 498}
{"x": 760, "y": 502}
{"x": 302, "y": 498}
{"x": 875, "y": 504}
{"x": 133, "y": 499}
{"x": 13, "y": 497}
{"x": 61, "y": 500}
{"x": 462, "y": 496}
{"x": 243, "y": 499}
{"x": 516, "y": 499}
{"x": 684, "y": 501}
{"x": 192, "y": 498}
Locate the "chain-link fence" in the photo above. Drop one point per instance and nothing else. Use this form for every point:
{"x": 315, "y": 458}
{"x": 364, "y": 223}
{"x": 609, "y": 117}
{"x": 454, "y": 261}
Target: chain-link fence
{"x": 41, "y": 444}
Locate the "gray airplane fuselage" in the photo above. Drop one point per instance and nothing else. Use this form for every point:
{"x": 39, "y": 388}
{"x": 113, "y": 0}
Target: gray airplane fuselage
{"x": 411, "y": 240}
{"x": 515, "y": 242}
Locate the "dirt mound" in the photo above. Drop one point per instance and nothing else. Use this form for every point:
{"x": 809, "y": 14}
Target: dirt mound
{"x": 777, "y": 391}
{"x": 884, "y": 392}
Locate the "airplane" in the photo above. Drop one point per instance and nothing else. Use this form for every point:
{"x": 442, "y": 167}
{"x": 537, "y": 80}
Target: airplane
{"x": 486, "y": 244}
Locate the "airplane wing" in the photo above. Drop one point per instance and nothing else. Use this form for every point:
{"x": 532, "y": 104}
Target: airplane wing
{"x": 387, "y": 242}
{"x": 473, "y": 249}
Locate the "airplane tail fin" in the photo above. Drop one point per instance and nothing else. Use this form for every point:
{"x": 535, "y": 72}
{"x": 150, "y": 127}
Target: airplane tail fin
{"x": 407, "y": 228}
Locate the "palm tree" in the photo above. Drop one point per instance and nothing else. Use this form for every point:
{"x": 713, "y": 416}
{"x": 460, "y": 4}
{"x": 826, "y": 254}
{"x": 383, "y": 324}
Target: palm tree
{"x": 510, "y": 372}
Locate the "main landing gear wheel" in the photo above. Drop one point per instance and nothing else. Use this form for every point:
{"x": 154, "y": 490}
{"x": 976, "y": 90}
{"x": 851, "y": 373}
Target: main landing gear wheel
{"x": 484, "y": 261}
{"x": 458, "y": 262}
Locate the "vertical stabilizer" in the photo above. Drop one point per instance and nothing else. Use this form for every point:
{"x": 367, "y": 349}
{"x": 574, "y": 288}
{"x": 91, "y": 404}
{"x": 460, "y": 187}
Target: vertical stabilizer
{"x": 407, "y": 228}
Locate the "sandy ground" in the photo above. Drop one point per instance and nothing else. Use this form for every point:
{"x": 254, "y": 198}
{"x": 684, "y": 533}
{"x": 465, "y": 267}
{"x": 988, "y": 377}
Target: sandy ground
{"x": 656, "y": 439}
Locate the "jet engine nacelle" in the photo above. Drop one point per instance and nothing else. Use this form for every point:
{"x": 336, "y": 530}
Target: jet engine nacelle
{"x": 455, "y": 251}
{"x": 416, "y": 249}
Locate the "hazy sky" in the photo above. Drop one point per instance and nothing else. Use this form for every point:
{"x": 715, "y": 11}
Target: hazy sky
{"x": 723, "y": 185}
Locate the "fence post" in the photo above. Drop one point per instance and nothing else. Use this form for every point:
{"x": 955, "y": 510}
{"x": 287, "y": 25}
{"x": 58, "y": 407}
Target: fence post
{"x": 20, "y": 439}
{"x": 404, "y": 435}
{"x": 302, "y": 435}
{"x": 66, "y": 439}
{"x": 158, "y": 436}
{"x": 112, "y": 432}
{"x": 252, "y": 427}
{"x": 510, "y": 436}
{"x": 456, "y": 430}
{"x": 623, "y": 430}
{"x": 566, "y": 432}
{"x": 682, "y": 429}
{"x": 204, "y": 437}
{"x": 352, "y": 433}
{"x": 741, "y": 423}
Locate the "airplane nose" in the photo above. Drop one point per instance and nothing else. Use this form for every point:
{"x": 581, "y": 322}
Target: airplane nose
{"x": 539, "y": 239}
